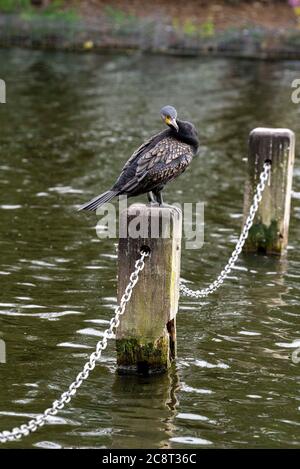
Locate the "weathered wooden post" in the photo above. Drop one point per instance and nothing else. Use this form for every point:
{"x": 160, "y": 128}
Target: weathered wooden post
{"x": 146, "y": 337}
{"x": 269, "y": 232}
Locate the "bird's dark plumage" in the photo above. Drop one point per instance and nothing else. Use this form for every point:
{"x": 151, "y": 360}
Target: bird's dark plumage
{"x": 155, "y": 163}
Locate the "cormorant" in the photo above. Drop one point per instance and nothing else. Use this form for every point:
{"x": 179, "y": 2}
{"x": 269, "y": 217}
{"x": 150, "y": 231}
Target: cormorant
{"x": 159, "y": 160}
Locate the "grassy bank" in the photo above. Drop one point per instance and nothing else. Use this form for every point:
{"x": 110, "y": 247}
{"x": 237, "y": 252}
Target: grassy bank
{"x": 244, "y": 29}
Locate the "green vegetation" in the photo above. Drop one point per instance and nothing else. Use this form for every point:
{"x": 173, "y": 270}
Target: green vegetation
{"x": 119, "y": 16}
{"x": 262, "y": 237}
{"x": 208, "y": 28}
{"x": 191, "y": 29}
{"x": 153, "y": 355}
{"x": 122, "y": 23}
{"x": 55, "y": 10}
{"x": 10, "y": 6}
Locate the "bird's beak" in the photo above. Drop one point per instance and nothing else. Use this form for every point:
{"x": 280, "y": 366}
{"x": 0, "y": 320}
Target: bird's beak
{"x": 172, "y": 122}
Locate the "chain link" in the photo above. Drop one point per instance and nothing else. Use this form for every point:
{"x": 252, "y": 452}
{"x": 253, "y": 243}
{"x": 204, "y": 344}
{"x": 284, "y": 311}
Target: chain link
{"x": 30, "y": 427}
{"x": 241, "y": 241}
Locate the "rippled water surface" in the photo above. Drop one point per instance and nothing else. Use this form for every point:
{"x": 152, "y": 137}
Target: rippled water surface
{"x": 69, "y": 124}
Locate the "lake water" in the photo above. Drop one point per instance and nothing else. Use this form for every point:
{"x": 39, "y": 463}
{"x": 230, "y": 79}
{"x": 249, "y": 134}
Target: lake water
{"x": 69, "y": 124}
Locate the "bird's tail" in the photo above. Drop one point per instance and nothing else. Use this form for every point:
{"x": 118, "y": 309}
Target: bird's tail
{"x": 95, "y": 203}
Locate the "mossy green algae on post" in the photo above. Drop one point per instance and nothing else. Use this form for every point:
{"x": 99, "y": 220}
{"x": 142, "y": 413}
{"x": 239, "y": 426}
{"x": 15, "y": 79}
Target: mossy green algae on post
{"x": 264, "y": 238}
{"x": 143, "y": 356}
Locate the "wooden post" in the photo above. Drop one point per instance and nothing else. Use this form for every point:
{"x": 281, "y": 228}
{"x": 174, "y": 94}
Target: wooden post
{"x": 146, "y": 337}
{"x": 269, "y": 232}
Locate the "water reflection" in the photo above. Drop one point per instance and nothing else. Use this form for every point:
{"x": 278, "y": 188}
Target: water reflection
{"x": 132, "y": 397}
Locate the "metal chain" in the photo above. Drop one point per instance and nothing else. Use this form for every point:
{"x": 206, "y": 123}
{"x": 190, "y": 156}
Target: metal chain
{"x": 30, "y": 427}
{"x": 241, "y": 241}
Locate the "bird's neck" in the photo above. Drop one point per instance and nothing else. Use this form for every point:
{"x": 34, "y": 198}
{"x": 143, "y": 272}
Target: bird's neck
{"x": 185, "y": 135}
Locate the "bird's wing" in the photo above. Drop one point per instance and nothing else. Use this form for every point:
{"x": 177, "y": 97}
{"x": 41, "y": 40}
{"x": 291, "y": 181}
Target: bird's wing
{"x": 164, "y": 153}
{"x": 164, "y": 161}
{"x": 141, "y": 149}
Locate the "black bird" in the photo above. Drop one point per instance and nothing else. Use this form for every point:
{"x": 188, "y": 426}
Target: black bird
{"x": 159, "y": 160}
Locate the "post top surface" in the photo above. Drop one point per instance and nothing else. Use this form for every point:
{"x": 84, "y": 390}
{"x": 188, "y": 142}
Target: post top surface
{"x": 153, "y": 209}
{"x": 269, "y": 131}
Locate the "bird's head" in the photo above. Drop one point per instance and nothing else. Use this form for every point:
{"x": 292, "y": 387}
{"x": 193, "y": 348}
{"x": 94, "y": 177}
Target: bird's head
{"x": 169, "y": 116}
